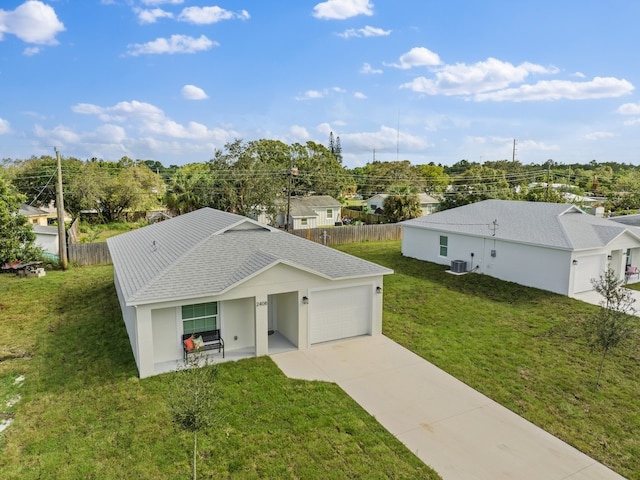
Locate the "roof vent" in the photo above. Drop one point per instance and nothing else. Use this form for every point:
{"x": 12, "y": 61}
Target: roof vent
{"x": 458, "y": 266}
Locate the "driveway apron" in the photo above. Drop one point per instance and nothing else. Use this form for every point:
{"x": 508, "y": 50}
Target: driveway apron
{"x": 456, "y": 430}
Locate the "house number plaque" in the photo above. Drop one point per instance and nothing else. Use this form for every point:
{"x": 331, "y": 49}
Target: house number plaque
{"x": 261, "y": 304}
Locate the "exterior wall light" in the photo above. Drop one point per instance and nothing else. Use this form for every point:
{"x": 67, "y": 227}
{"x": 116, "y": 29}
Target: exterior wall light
{"x": 378, "y": 289}
{"x": 575, "y": 262}
{"x": 305, "y": 300}
{"x": 609, "y": 257}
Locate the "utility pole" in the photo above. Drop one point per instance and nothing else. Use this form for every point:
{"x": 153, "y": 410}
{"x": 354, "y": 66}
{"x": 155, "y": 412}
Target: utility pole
{"x": 513, "y": 156}
{"x": 548, "y": 178}
{"x": 62, "y": 237}
{"x": 293, "y": 171}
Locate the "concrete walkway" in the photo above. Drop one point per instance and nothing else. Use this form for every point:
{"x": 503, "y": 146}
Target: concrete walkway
{"x": 456, "y": 430}
{"x": 595, "y": 298}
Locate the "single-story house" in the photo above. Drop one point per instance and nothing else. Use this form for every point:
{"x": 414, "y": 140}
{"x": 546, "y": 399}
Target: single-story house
{"x": 551, "y": 246}
{"x": 427, "y": 202}
{"x": 46, "y": 236}
{"x": 212, "y": 270}
{"x": 306, "y": 212}
{"x": 36, "y": 216}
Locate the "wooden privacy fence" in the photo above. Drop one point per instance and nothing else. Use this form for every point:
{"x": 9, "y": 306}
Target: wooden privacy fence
{"x": 89, "y": 253}
{"x": 351, "y": 234}
{"x": 98, "y": 253}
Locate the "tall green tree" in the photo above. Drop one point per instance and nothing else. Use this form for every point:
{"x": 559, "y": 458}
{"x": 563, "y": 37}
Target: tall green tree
{"x": 401, "y": 206}
{"x": 16, "y": 233}
{"x": 614, "y": 324}
{"x": 319, "y": 171}
{"x": 247, "y": 178}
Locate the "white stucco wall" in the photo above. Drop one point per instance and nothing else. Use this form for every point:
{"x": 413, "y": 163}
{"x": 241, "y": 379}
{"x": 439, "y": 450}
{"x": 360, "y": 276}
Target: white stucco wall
{"x": 129, "y": 318}
{"x": 48, "y": 243}
{"x": 243, "y": 313}
{"x": 166, "y": 337}
{"x": 529, "y": 265}
{"x": 237, "y": 320}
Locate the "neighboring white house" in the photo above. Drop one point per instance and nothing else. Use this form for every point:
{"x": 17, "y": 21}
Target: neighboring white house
{"x": 554, "y": 247}
{"x": 427, "y": 202}
{"x": 306, "y": 212}
{"x": 46, "y": 237}
{"x": 247, "y": 278}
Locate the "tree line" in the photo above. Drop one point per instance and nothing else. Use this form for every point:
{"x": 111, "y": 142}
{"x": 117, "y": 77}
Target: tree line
{"x": 244, "y": 177}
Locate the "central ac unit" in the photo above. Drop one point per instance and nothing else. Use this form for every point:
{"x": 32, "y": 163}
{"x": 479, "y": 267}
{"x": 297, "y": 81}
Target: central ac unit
{"x": 458, "y": 266}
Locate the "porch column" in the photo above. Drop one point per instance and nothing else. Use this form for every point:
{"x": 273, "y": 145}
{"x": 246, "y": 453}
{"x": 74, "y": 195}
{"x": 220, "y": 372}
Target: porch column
{"x": 262, "y": 326}
{"x": 144, "y": 336}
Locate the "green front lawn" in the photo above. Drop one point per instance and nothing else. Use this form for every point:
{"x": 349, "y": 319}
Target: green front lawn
{"x": 84, "y": 414}
{"x": 519, "y": 346}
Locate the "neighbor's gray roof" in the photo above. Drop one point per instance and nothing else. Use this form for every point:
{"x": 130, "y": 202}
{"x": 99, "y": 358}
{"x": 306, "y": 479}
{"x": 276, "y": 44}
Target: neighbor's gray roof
{"x": 553, "y": 225}
{"x": 42, "y": 230}
{"x": 632, "y": 220}
{"x": 303, "y": 206}
{"x": 207, "y": 252}
{"x": 30, "y": 211}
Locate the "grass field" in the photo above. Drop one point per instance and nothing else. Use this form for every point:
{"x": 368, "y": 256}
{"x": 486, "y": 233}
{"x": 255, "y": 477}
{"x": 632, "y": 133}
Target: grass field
{"x": 521, "y": 347}
{"x": 82, "y": 413}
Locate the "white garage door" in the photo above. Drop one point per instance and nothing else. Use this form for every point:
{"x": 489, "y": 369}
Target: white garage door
{"x": 339, "y": 313}
{"x": 589, "y": 267}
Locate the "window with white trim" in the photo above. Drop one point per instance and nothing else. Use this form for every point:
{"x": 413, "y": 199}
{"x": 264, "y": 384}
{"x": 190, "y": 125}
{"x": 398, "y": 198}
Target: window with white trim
{"x": 329, "y": 213}
{"x": 199, "y": 317}
{"x": 444, "y": 245}
{"x": 303, "y": 221}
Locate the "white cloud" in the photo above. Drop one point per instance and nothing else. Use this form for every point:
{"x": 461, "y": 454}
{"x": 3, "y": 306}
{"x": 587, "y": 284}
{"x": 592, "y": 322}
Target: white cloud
{"x": 147, "y": 119}
{"x": 369, "y": 70}
{"x": 463, "y": 79}
{"x": 59, "y": 135}
{"x": 342, "y": 9}
{"x": 31, "y": 22}
{"x": 209, "y": 15}
{"x": 417, "y": 57}
{"x": 385, "y": 139}
{"x": 359, "y": 96}
{"x": 147, "y": 16}
{"x": 364, "y": 32}
{"x": 311, "y": 95}
{"x": 191, "y": 92}
{"x": 629, "y": 109}
{"x": 579, "y": 75}
{"x": 599, "y": 135}
{"x": 174, "y": 44}
{"x": 599, "y": 87}
{"x": 161, "y": 2}
{"x": 506, "y": 143}
{"x": 299, "y": 132}
{"x": 31, "y": 51}
{"x": 4, "y": 126}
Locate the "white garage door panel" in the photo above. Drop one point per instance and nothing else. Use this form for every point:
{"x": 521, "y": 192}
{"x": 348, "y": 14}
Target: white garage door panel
{"x": 339, "y": 313}
{"x": 588, "y": 267}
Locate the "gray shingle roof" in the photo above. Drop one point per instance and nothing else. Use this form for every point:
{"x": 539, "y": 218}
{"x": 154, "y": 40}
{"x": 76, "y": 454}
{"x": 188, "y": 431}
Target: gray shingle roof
{"x": 303, "y": 206}
{"x": 207, "y": 252}
{"x": 536, "y": 223}
{"x": 30, "y": 211}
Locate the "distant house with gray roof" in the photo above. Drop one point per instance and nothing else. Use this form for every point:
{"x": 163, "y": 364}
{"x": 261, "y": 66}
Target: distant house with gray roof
{"x": 428, "y": 203}
{"x": 554, "y": 247}
{"x": 254, "y": 283}
{"x": 305, "y": 212}
{"x": 46, "y": 236}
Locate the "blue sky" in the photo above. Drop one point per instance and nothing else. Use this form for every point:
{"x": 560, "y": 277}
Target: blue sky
{"x": 423, "y": 80}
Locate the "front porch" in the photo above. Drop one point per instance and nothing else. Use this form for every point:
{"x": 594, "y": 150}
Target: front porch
{"x": 278, "y": 343}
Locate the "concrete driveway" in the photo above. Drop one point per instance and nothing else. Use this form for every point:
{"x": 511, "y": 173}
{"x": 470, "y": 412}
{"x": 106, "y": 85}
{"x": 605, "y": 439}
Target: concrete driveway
{"x": 459, "y": 432}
